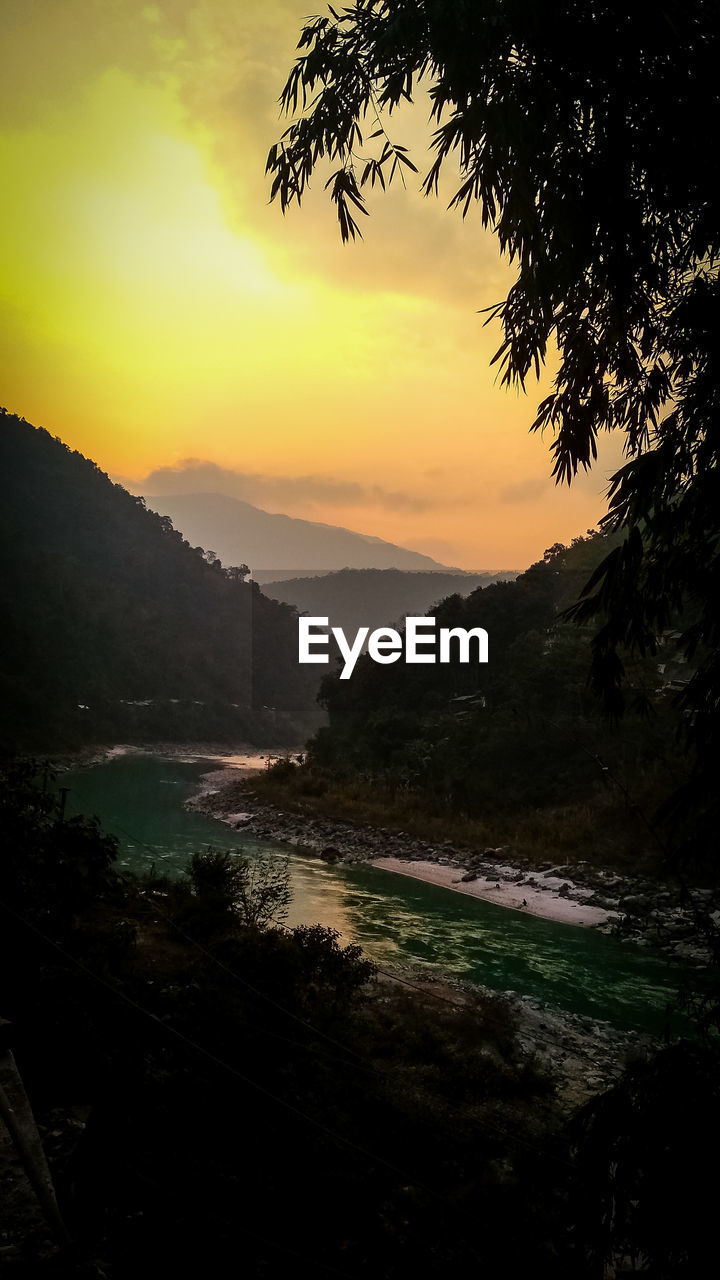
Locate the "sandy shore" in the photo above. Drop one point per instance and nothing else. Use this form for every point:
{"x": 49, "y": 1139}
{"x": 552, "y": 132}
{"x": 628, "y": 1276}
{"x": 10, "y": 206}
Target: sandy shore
{"x": 498, "y": 887}
{"x": 546, "y": 901}
{"x": 243, "y": 760}
{"x": 535, "y": 902}
{"x": 546, "y": 892}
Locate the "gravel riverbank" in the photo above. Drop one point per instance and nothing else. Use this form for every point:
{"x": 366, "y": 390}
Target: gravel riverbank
{"x": 633, "y": 908}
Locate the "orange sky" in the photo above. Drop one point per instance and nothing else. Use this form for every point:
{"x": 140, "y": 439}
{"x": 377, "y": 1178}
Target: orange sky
{"x": 155, "y": 308}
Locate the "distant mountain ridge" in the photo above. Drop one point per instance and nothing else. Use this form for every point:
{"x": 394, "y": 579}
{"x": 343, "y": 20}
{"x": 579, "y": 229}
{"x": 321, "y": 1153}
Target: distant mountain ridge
{"x": 243, "y": 534}
{"x": 354, "y": 598}
{"x": 268, "y": 577}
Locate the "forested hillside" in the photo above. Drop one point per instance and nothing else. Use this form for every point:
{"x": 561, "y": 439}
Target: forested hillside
{"x": 522, "y": 733}
{"x": 353, "y": 598}
{"x": 114, "y": 625}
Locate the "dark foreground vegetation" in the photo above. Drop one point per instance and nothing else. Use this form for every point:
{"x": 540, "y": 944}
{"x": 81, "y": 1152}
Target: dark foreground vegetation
{"x": 221, "y": 1094}
{"x": 115, "y": 628}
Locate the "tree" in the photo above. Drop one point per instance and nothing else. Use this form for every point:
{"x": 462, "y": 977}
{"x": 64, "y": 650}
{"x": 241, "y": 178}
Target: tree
{"x": 54, "y": 869}
{"x": 640, "y": 1186}
{"x": 580, "y": 134}
{"x": 252, "y": 891}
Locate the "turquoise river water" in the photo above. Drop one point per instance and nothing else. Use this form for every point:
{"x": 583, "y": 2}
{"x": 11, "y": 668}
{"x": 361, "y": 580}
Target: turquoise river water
{"x": 401, "y": 923}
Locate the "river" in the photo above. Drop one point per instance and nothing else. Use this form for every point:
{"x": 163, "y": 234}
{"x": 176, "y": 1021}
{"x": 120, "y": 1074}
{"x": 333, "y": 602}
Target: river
{"x": 400, "y": 923}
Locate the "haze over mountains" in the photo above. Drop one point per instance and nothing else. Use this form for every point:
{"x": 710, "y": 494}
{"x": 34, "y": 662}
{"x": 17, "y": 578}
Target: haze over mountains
{"x": 354, "y": 598}
{"x": 243, "y": 534}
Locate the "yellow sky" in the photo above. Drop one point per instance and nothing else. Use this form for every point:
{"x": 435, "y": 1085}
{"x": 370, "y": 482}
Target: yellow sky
{"x": 154, "y": 308}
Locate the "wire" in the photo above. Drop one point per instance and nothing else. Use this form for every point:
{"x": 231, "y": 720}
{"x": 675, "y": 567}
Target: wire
{"x": 253, "y": 1084}
{"x": 369, "y": 1067}
{"x": 331, "y": 1040}
{"x": 366, "y": 1066}
{"x": 488, "y": 1017}
{"x": 262, "y": 995}
{"x": 209, "y": 1055}
{"x": 503, "y": 1135}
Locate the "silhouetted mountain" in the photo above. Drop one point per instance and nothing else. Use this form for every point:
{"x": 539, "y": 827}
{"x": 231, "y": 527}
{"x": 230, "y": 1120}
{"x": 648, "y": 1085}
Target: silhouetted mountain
{"x": 243, "y": 534}
{"x": 353, "y": 598}
{"x": 115, "y": 626}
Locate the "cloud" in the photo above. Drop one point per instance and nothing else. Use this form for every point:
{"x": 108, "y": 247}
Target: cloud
{"x": 224, "y": 65}
{"x": 194, "y": 475}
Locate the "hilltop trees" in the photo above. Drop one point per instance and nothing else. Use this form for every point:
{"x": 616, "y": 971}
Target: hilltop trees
{"x": 518, "y": 734}
{"x": 580, "y": 136}
{"x": 115, "y": 627}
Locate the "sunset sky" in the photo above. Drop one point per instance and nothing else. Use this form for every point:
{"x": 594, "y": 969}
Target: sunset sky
{"x": 155, "y": 308}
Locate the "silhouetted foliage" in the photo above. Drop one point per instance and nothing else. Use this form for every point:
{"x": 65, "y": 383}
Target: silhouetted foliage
{"x": 115, "y": 626}
{"x": 229, "y": 889}
{"x": 644, "y": 1196}
{"x": 580, "y": 133}
{"x": 518, "y": 733}
{"x": 219, "y": 1086}
{"x": 52, "y": 867}
{"x": 61, "y": 905}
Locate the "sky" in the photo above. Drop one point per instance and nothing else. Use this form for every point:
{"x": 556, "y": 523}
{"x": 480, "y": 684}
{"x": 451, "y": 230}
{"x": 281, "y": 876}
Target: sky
{"x": 160, "y": 315}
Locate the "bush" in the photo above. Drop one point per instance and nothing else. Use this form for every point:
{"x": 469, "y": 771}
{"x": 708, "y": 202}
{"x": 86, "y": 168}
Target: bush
{"x": 228, "y": 890}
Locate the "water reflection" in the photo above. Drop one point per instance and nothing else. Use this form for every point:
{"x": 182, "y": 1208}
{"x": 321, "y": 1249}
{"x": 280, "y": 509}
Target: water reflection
{"x": 401, "y": 923}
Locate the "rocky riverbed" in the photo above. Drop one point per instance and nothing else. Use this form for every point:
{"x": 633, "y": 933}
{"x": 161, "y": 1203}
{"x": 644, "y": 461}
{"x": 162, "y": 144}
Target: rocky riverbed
{"x": 635, "y": 909}
{"x": 583, "y": 1056}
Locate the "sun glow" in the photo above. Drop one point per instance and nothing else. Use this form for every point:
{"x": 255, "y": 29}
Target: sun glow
{"x": 154, "y": 308}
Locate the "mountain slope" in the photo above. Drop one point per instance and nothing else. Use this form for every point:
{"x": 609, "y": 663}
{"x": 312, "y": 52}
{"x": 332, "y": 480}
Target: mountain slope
{"x": 523, "y": 729}
{"x": 113, "y": 625}
{"x": 353, "y": 598}
{"x": 243, "y": 534}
